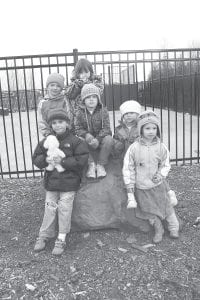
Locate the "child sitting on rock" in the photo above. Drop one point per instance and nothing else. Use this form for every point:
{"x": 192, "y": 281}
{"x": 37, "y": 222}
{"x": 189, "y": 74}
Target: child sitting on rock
{"x": 146, "y": 165}
{"x": 92, "y": 123}
{"x": 127, "y": 132}
{"x": 60, "y": 186}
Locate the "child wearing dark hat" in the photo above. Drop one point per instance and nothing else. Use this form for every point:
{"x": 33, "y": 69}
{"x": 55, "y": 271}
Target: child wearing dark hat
{"x": 54, "y": 98}
{"x": 93, "y": 125}
{"x": 82, "y": 74}
{"x": 60, "y": 186}
{"x": 146, "y": 165}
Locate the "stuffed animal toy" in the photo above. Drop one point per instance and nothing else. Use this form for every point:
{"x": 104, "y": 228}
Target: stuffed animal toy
{"x": 52, "y": 144}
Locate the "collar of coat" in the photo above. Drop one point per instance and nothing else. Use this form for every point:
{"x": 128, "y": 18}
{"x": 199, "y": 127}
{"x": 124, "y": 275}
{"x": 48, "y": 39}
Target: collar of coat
{"x": 155, "y": 140}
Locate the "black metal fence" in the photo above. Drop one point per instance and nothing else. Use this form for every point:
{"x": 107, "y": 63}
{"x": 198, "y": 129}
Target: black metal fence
{"x": 164, "y": 80}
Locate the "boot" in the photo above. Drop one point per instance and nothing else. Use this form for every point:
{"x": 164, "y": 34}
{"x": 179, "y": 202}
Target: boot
{"x": 91, "y": 172}
{"x": 101, "y": 172}
{"x": 159, "y": 231}
{"x": 40, "y": 244}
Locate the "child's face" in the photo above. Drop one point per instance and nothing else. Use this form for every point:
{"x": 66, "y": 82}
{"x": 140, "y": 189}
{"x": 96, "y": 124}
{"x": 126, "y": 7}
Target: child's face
{"x": 130, "y": 117}
{"x": 54, "y": 89}
{"x": 84, "y": 75}
{"x": 91, "y": 101}
{"x": 149, "y": 131}
{"x": 59, "y": 126}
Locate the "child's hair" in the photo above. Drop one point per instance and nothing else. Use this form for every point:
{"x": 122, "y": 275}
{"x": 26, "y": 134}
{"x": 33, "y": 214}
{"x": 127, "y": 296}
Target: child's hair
{"x": 148, "y": 116}
{"x": 83, "y": 65}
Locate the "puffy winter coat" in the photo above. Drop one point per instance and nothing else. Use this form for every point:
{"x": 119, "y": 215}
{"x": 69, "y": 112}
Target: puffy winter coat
{"x": 124, "y": 137}
{"x": 142, "y": 161}
{"x": 76, "y": 157}
{"x": 47, "y": 104}
{"x": 97, "y": 123}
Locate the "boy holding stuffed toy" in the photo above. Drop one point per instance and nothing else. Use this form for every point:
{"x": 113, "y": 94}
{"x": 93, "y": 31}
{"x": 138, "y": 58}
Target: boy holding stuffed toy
{"x": 60, "y": 186}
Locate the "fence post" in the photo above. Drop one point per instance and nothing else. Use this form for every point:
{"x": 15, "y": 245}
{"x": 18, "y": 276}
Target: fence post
{"x": 75, "y": 55}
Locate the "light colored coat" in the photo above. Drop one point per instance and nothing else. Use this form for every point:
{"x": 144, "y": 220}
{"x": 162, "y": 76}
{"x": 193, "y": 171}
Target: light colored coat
{"x": 142, "y": 161}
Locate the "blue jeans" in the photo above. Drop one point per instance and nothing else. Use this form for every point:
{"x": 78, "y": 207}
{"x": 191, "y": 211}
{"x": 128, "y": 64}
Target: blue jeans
{"x": 102, "y": 153}
{"x": 58, "y": 207}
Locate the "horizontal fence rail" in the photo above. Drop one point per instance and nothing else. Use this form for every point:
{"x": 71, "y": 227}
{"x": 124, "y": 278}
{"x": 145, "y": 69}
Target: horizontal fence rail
{"x": 166, "y": 81}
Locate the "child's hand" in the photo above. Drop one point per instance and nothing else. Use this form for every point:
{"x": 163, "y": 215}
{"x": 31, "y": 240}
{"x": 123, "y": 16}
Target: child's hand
{"x": 57, "y": 159}
{"x": 157, "y": 178}
{"x": 131, "y": 201}
{"x": 89, "y": 137}
{"x": 94, "y": 143}
{"x": 49, "y": 160}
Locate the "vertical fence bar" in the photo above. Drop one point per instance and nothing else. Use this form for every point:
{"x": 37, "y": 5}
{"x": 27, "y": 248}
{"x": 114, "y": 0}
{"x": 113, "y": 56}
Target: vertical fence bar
{"x": 105, "y": 79}
{"x": 160, "y": 93}
{"x": 183, "y": 97}
{"x": 111, "y": 85}
{"x": 191, "y": 108}
{"x": 176, "y": 111}
{"x": 168, "y": 104}
{"x": 144, "y": 82}
{"x": 120, "y": 79}
{"x": 28, "y": 117}
{"x": 151, "y": 82}
{"x": 12, "y": 121}
{"x": 20, "y": 118}
{"x": 136, "y": 76}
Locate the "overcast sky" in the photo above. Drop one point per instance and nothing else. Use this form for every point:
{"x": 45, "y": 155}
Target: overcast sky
{"x": 47, "y": 26}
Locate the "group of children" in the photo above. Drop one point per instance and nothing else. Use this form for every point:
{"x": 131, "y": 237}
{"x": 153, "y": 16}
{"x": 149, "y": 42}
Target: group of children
{"x": 80, "y": 122}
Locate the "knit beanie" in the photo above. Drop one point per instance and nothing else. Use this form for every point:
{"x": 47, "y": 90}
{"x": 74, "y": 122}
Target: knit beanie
{"x": 130, "y": 106}
{"x": 148, "y": 116}
{"x": 55, "y": 78}
{"x": 90, "y": 89}
{"x": 58, "y": 113}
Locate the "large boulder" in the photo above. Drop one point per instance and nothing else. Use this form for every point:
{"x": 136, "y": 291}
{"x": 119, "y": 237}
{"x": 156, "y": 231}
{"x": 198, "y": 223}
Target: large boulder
{"x": 101, "y": 204}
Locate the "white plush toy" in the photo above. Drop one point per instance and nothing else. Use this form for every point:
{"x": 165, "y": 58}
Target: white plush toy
{"x": 52, "y": 144}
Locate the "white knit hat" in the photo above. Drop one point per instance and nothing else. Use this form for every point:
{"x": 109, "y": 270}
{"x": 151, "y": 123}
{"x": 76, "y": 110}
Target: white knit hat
{"x": 130, "y": 106}
{"x": 148, "y": 116}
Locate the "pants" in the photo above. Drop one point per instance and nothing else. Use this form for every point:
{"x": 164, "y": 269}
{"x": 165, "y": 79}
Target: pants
{"x": 58, "y": 207}
{"x": 102, "y": 153}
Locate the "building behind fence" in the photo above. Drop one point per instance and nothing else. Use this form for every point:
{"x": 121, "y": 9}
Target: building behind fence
{"x": 164, "y": 80}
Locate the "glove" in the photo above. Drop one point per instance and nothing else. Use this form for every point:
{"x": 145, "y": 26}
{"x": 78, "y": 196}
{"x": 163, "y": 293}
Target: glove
{"x": 94, "y": 143}
{"x": 157, "y": 178}
{"x": 131, "y": 201}
{"x": 89, "y": 137}
{"x": 172, "y": 198}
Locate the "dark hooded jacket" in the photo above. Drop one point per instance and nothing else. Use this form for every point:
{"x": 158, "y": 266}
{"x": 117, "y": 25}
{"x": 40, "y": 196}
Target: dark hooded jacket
{"x": 76, "y": 158}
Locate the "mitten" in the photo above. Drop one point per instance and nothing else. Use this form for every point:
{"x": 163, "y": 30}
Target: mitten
{"x": 157, "y": 178}
{"x": 172, "y": 198}
{"x": 94, "y": 143}
{"x": 89, "y": 137}
{"x": 131, "y": 201}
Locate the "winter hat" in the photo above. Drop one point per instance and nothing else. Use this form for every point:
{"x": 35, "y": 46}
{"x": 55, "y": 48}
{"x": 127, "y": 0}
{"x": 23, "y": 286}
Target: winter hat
{"x": 58, "y": 113}
{"x": 148, "y": 116}
{"x": 56, "y": 78}
{"x": 88, "y": 90}
{"x": 130, "y": 106}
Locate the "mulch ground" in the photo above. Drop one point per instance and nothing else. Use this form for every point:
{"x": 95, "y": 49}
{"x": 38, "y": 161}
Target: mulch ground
{"x": 98, "y": 264}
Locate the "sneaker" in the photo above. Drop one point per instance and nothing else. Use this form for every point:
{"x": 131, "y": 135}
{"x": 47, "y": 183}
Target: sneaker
{"x": 174, "y": 234}
{"x": 91, "y": 172}
{"x": 40, "y": 244}
{"x": 101, "y": 172}
{"x": 59, "y": 247}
